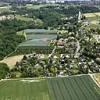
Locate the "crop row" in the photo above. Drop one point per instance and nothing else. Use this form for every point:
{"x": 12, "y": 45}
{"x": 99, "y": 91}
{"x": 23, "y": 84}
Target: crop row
{"x": 74, "y": 88}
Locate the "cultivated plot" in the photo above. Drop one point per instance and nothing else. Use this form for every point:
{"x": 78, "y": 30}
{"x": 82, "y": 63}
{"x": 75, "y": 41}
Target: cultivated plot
{"x": 73, "y": 88}
{"x": 65, "y": 88}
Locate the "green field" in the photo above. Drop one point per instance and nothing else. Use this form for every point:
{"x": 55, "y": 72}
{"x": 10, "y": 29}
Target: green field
{"x": 65, "y": 88}
{"x": 36, "y": 31}
{"x": 24, "y": 90}
{"x": 74, "y": 88}
{"x": 5, "y": 9}
{"x": 38, "y": 37}
{"x": 93, "y": 18}
{"x": 23, "y": 18}
{"x": 38, "y": 40}
{"x": 30, "y": 6}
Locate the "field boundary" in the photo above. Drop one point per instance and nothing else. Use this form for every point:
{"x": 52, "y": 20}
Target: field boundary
{"x": 94, "y": 79}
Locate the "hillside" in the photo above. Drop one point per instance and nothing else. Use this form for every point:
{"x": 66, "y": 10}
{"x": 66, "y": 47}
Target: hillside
{"x": 65, "y": 88}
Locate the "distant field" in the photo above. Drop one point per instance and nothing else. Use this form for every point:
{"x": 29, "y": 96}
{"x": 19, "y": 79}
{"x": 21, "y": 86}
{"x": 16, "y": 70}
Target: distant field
{"x": 38, "y": 40}
{"x": 19, "y": 17}
{"x": 92, "y": 14}
{"x": 65, "y": 88}
{"x": 3, "y": 3}
{"x": 93, "y": 17}
{"x": 30, "y": 6}
{"x": 38, "y": 37}
{"x": 5, "y": 9}
{"x": 89, "y": 15}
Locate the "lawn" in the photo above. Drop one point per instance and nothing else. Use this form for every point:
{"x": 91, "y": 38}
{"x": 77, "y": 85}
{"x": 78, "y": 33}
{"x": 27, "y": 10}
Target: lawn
{"x": 65, "y": 88}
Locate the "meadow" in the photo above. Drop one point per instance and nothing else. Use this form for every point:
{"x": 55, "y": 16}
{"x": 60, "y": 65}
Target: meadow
{"x": 31, "y": 6}
{"x": 94, "y": 18}
{"x": 5, "y": 9}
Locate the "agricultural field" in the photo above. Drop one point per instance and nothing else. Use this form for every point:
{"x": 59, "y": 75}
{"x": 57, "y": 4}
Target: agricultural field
{"x": 38, "y": 40}
{"x": 38, "y": 37}
{"x": 25, "y": 89}
{"x": 11, "y": 61}
{"x": 73, "y": 88}
{"x": 31, "y": 6}
{"x": 23, "y": 18}
{"x": 18, "y": 17}
{"x": 93, "y": 17}
{"x": 61, "y": 88}
{"x": 36, "y": 31}
{"x": 5, "y": 9}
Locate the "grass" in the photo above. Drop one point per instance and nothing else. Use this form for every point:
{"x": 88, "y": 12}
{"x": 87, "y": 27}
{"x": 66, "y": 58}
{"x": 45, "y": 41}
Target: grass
{"x": 38, "y": 40}
{"x": 19, "y": 17}
{"x": 21, "y": 90}
{"x": 38, "y": 37}
{"x": 5, "y": 9}
{"x": 92, "y": 14}
{"x": 93, "y": 17}
{"x": 36, "y": 31}
{"x": 65, "y": 88}
{"x": 30, "y": 6}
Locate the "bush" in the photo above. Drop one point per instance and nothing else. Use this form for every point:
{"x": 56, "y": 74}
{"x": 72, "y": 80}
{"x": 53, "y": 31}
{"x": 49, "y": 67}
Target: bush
{"x": 4, "y": 70}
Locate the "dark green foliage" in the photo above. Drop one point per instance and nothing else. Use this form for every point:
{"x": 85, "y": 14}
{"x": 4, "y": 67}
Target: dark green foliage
{"x": 8, "y": 38}
{"x": 4, "y": 70}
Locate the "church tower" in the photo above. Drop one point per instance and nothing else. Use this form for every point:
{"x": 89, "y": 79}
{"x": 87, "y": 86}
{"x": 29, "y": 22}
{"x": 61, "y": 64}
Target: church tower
{"x": 79, "y": 17}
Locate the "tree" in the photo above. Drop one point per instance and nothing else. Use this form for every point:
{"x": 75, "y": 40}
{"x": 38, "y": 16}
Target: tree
{"x": 4, "y": 70}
